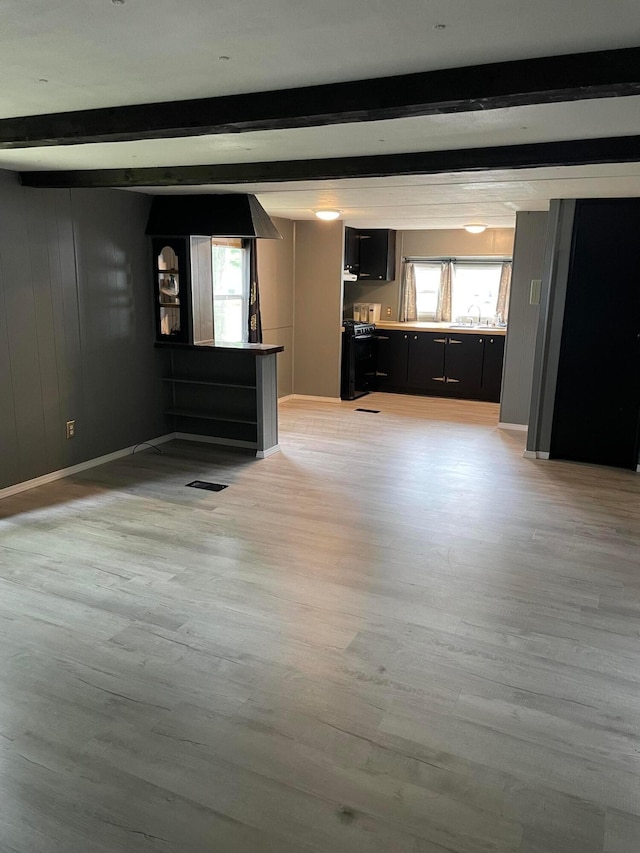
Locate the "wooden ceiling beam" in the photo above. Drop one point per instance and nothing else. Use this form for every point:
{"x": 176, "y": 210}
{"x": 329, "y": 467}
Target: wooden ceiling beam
{"x": 552, "y": 79}
{"x": 580, "y": 152}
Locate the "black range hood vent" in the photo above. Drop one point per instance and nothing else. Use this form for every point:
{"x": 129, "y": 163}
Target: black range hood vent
{"x": 213, "y": 215}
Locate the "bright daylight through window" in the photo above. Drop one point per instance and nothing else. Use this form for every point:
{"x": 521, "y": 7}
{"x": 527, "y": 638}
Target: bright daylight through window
{"x": 230, "y": 262}
{"x": 474, "y": 289}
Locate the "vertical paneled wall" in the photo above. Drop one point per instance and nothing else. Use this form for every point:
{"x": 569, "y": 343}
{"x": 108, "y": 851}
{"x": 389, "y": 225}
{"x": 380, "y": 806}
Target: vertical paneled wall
{"x": 76, "y": 335}
{"x": 528, "y": 257}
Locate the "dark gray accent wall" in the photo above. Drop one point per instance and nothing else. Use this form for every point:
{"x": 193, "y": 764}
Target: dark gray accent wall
{"x": 76, "y": 328}
{"x": 528, "y": 256}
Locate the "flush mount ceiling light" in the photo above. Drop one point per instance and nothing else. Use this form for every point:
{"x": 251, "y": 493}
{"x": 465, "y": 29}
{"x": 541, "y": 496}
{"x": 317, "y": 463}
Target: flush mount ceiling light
{"x": 327, "y": 214}
{"x": 475, "y": 228}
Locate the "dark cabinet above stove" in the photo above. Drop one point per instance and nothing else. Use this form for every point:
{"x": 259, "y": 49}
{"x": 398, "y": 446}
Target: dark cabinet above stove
{"x": 370, "y": 253}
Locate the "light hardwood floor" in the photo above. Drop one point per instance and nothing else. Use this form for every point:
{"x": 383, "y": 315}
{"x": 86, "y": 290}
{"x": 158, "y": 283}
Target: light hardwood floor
{"x": 396, "y": 636}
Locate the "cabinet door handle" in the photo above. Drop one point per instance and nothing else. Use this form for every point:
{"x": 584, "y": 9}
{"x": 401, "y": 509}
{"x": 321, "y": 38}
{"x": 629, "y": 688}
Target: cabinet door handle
{"x": 383, "y": 337}
{"x": 444, "y": 340}
{"x": 415, "y": 337}
{"x": 481, "y": 339}
{"x": 491, "y": 340}
{"x": 438, "y": 379}
{"x": 452, "y": 380}
{"x": 453, "y": 341}
{"x": 378, "y": 373}
{"x": 405, "y": 337}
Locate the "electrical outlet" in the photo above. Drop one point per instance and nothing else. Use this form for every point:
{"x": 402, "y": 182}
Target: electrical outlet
{"x": 388, "y": 310}
{"x": 71, "y": 429}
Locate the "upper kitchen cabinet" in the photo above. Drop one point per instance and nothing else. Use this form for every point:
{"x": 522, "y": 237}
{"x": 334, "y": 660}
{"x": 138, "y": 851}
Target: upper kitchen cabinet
{"x": 370, "y": 253}
{"x": 377, "y": 255}
{"x": 351, "y": 250}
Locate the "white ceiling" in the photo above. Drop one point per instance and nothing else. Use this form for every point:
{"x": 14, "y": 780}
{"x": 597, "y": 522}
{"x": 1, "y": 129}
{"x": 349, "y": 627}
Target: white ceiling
{"x": 78, "y": 54}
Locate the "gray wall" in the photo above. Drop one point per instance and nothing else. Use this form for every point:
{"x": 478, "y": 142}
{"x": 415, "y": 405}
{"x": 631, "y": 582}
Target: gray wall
{"x": 76, "y": 328}
{"x": 318, "y": 307}
{"x": 435, "y": 243}
{"x": 275, "y": 271}
{"x": 528, "y": 256}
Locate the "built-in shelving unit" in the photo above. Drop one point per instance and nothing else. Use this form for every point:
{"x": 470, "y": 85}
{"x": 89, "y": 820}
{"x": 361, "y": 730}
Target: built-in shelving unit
{"x": 223, "y": 394}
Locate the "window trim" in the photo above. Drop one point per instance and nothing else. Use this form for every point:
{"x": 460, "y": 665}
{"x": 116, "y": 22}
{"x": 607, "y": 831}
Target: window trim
{"x": 232, "y": 243}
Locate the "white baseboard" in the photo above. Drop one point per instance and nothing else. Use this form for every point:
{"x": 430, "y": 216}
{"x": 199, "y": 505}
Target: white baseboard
{"x": 535, "y": 454}
{"x": 317, "y": 399}
{"x": 81, "y": 466}
{"x": 522, "y": 427}
{"x": 262, "y": 454}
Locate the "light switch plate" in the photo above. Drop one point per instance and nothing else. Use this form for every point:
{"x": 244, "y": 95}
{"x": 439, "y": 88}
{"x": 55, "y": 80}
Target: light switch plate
{"x": 534, "y": 293}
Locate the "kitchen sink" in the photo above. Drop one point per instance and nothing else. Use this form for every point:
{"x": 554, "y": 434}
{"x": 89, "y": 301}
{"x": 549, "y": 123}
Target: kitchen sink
{"x": 474, "y": 326}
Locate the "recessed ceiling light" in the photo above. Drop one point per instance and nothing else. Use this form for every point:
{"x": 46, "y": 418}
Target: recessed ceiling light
{"x": 475, "y": 228}
{"x": 327, "y": 214}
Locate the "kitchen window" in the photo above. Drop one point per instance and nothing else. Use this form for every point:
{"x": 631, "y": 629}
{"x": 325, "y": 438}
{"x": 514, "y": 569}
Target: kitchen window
{"x": 230, "y": 264}
{"x": 475, "y": 287}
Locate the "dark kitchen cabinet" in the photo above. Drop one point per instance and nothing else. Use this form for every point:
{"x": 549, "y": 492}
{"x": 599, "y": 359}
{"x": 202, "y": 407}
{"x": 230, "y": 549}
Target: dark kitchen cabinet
{"x": 370, "y": 253}
{"x": 463, "y": 366}
{"x": 493, "y": 348}
{"x": 466, "y": 366}
{"x": 425, "y": 372}
{"x": 392, "y": 360}
{"x": 377, "y": 258}
{"x": 351, "y": 250}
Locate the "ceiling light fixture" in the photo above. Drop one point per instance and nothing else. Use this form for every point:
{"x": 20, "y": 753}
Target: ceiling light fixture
{"x": 475, "y": 228}
{"x": 327, "y": 214}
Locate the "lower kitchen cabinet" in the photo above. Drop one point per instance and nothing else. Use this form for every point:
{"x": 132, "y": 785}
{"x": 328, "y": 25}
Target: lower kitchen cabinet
{"x": 425, "y": 373}
{"x": 466, "y": 366}
{"x": 463, "y": 366}
{"x": 392, "y": 360}
{"x": 492, "y": 368}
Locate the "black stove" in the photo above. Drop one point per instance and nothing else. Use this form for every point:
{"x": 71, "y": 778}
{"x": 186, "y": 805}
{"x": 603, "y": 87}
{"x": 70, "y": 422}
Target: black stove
{"x": 358, "y": 359}
{"x": 355, "y": 329}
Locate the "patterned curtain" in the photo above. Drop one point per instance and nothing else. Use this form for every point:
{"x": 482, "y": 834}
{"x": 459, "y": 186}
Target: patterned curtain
{"x": 504, "y": 292}
{"x": 443, "y": 311}
{"x": 255, "y": 320}
{"x": 408, "y": 308}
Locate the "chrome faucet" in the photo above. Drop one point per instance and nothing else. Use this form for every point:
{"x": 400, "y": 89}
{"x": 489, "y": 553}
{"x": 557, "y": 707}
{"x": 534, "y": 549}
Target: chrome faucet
{"x": 479, "y": 313}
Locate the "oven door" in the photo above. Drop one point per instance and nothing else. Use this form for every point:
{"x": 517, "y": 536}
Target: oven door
{"x": 358, "y": 365}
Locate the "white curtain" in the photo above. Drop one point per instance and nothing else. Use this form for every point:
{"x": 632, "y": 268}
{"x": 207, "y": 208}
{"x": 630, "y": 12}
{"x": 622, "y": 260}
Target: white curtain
{"x": 504, "y": 292}
{"x": 443, "y": 311}
{"x": 408, "y": 307}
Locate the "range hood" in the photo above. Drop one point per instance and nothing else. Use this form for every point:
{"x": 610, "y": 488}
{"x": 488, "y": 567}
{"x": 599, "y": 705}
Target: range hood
{"x": 212, "y": 215}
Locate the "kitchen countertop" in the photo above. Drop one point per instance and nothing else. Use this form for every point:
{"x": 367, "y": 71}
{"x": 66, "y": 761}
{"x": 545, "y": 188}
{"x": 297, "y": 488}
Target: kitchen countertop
{"x": 442, "y": 327}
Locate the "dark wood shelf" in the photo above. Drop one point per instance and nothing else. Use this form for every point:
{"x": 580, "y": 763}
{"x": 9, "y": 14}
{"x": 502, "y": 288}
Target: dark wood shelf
{"x": 208, "y": 382}
{"x": 187, "y": 413}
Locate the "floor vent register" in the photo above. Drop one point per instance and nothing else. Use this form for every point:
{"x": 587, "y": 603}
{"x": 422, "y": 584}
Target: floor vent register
{"x": 209, "y": 487}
